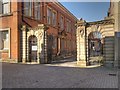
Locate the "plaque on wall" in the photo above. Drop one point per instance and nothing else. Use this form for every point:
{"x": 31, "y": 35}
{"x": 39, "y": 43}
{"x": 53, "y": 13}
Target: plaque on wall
{"x": 34, "y": 48}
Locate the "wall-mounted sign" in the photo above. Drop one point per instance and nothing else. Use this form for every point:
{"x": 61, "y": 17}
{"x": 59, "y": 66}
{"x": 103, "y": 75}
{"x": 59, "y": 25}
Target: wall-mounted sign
{"x": 34, "y": 48}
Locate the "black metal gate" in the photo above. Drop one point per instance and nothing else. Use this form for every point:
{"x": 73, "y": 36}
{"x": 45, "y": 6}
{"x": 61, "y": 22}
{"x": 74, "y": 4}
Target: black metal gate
{"x": 95, "y": 47}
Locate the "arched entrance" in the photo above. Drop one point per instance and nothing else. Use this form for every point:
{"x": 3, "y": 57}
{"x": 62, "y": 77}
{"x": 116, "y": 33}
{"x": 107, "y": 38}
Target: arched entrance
{"x": 32, "y": 48}
{"x": 95, "y": 46}
{"x": 95, "y": 42}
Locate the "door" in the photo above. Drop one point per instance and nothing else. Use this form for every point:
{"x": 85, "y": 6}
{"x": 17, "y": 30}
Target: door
{"x": 49, "y": 46}
{"x": 32, "y": 49}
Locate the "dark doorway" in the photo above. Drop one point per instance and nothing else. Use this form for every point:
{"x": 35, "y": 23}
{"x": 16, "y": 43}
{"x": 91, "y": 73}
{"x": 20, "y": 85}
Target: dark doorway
{"x": 33, "y": 49}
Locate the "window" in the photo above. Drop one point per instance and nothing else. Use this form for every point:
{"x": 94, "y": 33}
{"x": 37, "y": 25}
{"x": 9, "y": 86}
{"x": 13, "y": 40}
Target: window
{"x": 62, "y": 44}
{"x": 28, "y": 8}
{"x": 54, "y": 43}
{"x": 67, "y": 26}
{"x": 54, "y": 17}
{"x": 49, "y": 15}
{"x": 0, "y": 7}
{"x": 73, "y": 29}
{"x": 37, "y": 10}
{"x": 5, "y": 7}
{"x": 4, "y": 40}
{"x": 67, "y": 43}
{"x": 62, "y": 22}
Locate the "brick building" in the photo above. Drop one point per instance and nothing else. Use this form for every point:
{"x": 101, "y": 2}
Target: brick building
{"x": 36, "y": 32}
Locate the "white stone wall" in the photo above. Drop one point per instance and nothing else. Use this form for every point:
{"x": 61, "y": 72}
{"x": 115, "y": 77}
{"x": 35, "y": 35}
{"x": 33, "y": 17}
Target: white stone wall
{"x": 39, "y": 32}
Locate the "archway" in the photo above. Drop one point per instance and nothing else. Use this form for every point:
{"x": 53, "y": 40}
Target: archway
{"x": 95, "y": 42}
{"x": 95, "y": 45}
{"x": 33, "y": 48}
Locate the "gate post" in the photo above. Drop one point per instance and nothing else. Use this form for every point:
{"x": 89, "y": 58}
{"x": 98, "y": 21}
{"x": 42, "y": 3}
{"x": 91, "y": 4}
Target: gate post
{"x": 81, "y": 43}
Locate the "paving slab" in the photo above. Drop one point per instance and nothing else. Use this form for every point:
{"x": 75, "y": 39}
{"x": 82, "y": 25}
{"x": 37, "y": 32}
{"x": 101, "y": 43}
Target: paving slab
{"x": 49, "y": 76}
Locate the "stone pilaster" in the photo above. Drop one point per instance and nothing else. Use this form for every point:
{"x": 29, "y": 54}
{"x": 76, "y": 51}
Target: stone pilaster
{"x": 38, "y": 52}
{"x": 81, "y": 44}
{"x": 23, "y": 44}
{"x": 45, "y": 46}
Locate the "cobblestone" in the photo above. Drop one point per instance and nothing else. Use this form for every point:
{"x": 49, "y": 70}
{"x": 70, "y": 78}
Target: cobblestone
{"x": 49, "y": 76}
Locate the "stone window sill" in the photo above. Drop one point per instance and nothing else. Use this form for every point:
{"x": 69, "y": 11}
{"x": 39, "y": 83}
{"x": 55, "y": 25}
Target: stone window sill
{"x": 4, "y": 15}
{"x": 4, "y": 51}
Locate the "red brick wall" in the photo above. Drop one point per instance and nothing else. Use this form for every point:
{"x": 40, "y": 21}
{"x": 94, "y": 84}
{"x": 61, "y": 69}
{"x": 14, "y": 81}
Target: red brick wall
{"x": 12, "y": 23}
{"x": 15, "y": 21}
{"x": 31, "y": 22}
{"x": 4, "y": 55}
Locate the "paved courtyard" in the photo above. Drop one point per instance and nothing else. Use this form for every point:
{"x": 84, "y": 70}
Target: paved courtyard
{"x": 57, "y": 76}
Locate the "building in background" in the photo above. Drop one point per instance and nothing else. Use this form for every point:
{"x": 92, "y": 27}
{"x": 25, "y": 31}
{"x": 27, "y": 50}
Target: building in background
{"x": 114, "y": 12}
{"x": 36, "y": 32}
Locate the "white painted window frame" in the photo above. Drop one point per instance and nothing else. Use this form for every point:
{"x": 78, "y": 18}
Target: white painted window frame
{"x": 9, "y": 33}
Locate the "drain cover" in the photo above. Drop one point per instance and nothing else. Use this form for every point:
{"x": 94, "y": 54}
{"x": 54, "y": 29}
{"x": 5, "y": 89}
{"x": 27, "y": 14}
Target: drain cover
{"x": 112, "y": 74}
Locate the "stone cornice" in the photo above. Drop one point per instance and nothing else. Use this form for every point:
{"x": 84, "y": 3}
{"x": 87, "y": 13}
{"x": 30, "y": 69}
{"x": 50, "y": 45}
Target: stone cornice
{"x": 40, "y": 26}
{"x": 102, "y": 22}
{"x": 66, "y": 10}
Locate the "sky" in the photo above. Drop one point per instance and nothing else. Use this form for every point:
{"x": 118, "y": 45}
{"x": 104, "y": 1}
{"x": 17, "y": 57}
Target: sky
{"x": 89, "y": 11}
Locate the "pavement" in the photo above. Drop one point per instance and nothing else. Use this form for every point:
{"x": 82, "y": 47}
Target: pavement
{"x": 70, "y": 62}
{"x": 57, "y": 76}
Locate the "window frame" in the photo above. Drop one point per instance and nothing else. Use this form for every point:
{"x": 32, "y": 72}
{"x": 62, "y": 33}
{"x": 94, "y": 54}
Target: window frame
{"x": 8, "y": 3}
{"x": 70, "y": 26}
{"x": 55, "y": 13}
{"x": 67, "y": 25}
{"x": 54, "y": 42}
{"x": 62, "y": 28}
{"x": 38, "y": 10}
{"x": 29, "y": 9}
{"x": 49, "y": 16}
{"x": 9, "y": 40}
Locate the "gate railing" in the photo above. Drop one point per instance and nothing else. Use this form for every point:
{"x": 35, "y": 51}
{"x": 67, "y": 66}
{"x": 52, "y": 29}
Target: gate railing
{"x": 96, "y": 59}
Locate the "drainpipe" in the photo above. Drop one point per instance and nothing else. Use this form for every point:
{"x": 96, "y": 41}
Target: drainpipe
{"x": 86, "y": 51}
{"x": 58, "y": 46}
